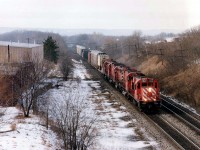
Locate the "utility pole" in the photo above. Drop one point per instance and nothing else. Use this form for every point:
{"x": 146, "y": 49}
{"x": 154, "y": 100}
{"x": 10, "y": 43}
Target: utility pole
{"x": 181, "y": 56}
{"x": 129, "y": 48}
{"x": 8, "y": 53}
{"x": 146, "y": 51}
{"x": 161, "y": 54}
{"x": 28, "y": 40}
{"x": 136, "y": 48}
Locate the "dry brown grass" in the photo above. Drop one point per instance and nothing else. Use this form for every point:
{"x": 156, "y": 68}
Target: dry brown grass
{"x": 20, "y": 116}
{"x": 185, "y": 85}
{"x": 98, "y": 101}
{"x": 13, "y": 127}
{"x": 22, "y": 121}
{"x": 182, "y": 83}
{"x": 153, "y": 65}
{"x": 130, "y": 125}
{"x": 99, "y": 107}
{"x": 125, "y": 118}
{"x": 140, "y": 134}
{"x": 116, "y": 105}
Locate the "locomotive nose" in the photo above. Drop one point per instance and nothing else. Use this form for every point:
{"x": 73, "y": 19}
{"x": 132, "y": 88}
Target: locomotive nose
{"x": 148, "y": 94}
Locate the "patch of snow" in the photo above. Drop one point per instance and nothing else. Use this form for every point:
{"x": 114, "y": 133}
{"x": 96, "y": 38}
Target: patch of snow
{"x": 169, "y": 39}
{"x": 197, "y": 61}
{"x": 28, "y": 133}
{"x": 55, "y": 72}
{"x": 77, "y": 62}
{"x": 181, "y": 103}
{"x": 79, "y": 71}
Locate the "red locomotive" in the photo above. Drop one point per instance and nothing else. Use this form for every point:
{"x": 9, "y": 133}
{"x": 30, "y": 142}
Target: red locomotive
{"x": 138, "y": 88}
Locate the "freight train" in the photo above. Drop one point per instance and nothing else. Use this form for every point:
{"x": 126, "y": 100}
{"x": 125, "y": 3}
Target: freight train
{"x": 139, "y": 89}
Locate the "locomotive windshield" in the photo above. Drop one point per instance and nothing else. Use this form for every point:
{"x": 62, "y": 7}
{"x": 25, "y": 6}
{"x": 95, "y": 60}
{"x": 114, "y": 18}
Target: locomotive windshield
{"x": 144, "y": 84}
{"x": 147, "y": 82}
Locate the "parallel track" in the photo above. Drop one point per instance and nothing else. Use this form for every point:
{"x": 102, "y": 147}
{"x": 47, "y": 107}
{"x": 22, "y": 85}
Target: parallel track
{"x": 175, "y": 134}
{"x": 186, "y": 117}
{"x": 181, "y": 107}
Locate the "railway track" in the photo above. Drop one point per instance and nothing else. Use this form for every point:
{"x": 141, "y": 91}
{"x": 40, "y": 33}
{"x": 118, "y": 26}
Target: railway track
{"x": 180, "y": 140}
{"x": 180, "y": 108}
{"x": 186, "y": 120}
{"x": 186, "y": 117}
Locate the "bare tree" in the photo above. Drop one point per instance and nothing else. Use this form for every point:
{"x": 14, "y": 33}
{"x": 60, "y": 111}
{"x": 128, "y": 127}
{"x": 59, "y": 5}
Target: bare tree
{"x": 65, "y": 65}
{"x": 76, "y": 125}
{"x": 28, "y": 83}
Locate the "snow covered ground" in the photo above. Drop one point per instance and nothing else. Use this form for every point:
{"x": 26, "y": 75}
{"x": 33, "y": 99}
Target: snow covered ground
{"x": 17, "y": 132}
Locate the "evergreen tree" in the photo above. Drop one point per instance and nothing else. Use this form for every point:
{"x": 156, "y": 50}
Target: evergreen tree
{"x": 50, "y": 52}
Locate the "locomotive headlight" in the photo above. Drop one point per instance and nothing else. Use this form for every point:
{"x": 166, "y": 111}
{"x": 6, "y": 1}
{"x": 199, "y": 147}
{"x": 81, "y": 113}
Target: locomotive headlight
{"x": 150, "y": 89}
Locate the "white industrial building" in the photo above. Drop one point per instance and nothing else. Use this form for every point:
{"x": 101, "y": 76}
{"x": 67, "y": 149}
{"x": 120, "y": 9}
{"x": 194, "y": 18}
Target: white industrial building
{"x": 13, "y": 52}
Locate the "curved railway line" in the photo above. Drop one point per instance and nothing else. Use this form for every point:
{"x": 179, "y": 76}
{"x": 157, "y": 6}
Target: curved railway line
{"x": 182, "y": 115}
{"x": 188, "y": 118}
{"x": 180, "y": 140}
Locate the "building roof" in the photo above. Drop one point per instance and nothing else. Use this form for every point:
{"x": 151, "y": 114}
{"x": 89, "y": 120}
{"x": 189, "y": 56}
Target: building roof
{"x": 15, "y": 44}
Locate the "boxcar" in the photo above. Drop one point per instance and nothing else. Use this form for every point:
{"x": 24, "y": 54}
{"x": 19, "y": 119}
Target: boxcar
{"x": 79, "y": 49}
{"x": 101, "y": 58}
{"x": 96, "y": 58}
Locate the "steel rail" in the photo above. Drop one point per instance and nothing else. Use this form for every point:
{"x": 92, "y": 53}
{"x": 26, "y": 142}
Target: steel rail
{"x": 196, "y": 122}
{"x": 179, "y": 138}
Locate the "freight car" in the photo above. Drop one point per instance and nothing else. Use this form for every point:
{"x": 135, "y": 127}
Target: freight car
{"x": 139, "y": 89}
{"x": 80, "y": 49}
{"x": 96, "y": 59}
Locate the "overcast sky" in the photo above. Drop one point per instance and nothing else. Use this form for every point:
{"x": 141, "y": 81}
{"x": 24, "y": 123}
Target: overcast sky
{"x": 104, "y": 14}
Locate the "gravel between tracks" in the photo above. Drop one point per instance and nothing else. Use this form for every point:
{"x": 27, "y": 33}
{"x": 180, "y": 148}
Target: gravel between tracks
{"x": 182, "y": 127}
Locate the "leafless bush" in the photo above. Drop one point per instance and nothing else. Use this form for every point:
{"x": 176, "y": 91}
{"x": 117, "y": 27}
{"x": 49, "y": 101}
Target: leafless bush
{"x": 13, "y": 126}
{"x": 76, "y": 125}
{"x": 65, "y": 65}
{"x": 29, "y": 82}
